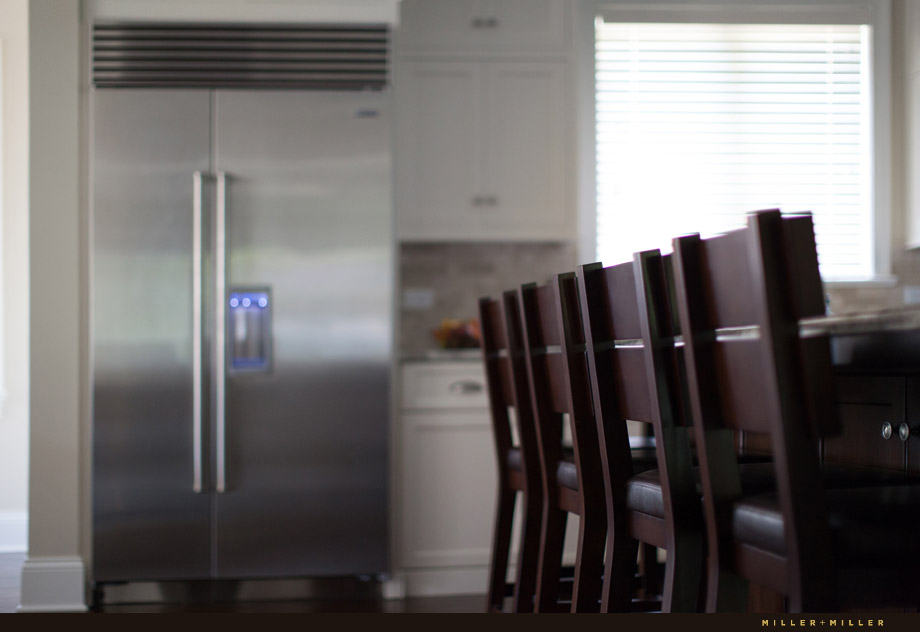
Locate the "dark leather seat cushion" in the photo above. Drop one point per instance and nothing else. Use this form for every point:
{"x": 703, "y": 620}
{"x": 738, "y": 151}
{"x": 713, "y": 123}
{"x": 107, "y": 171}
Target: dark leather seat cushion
{"x": 643, "y": 491}
{"x": 869, "y": 526}
{"x": 567, "y": 475}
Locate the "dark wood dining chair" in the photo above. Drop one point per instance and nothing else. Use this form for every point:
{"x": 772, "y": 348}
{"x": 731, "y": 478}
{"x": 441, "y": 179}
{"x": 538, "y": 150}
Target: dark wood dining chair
{"x": 572, "y": 482}
{"x": 634, "y": 374}
{"x": 740, "y": 297}
{"x": 519, "y": 475}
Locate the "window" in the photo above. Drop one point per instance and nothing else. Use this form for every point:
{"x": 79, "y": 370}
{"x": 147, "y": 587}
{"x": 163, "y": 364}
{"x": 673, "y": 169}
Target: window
{"x": 698, "y": 123}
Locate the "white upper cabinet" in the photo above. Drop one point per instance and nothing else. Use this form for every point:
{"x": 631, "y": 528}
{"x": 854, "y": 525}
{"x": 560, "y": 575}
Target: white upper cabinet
{"x": 525, "y": 150}
{"x": 483, "y": 27}
{"x": 482, "y": 151}
{"x": 483, "y": 94}
{"x": 438, "y": 165}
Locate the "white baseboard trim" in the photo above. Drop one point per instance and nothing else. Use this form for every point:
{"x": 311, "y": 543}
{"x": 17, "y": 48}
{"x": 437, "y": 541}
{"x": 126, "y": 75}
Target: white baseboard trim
{"x": 471, "y": 580}
{"x": 14, "y": 531}
{"x": 53, "y": 584}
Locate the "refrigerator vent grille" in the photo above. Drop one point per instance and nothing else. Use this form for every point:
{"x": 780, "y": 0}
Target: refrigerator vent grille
{"x": 316, "y": 57}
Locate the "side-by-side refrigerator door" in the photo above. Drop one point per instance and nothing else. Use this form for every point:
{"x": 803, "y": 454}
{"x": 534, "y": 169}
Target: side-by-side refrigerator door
{"x": 301, "y": 447}
{"x": 150, "y": 200}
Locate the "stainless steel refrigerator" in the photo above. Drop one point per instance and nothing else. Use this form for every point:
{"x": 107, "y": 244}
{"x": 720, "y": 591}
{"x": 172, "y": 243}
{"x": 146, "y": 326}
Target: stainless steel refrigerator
{"x": 241, "y": 338}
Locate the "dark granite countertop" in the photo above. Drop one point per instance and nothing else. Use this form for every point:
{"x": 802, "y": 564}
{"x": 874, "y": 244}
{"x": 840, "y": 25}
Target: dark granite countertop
{"x": 443, "y": 355}
{"x": 860, "y": 323}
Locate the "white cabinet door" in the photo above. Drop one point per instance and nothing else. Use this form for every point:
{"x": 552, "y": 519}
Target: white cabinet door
{"x": 530, "y": 26}
{"x": 447, "y": 480}
{"x": 476, "y": 27}
{"x": 482, "y": 152}
{"x": 444, "y": 25}
{"x": 438, "y": 160}
{"x": 449, "y": 487}
{"x": 526, "y": 151}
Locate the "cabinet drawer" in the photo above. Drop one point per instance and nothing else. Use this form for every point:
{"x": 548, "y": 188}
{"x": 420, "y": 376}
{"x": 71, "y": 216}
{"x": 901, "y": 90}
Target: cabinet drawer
{"x": 437, "y": 385}
{"x": 476, "y": 27}
{"x": 865, "y": 405}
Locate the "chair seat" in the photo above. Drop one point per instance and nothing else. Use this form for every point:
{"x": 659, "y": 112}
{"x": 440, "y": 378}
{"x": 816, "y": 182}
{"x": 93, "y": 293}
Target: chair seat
{"x": 567, "y": 475}
{"x": 643, "y": 491}
{"x": 870, "y": 526}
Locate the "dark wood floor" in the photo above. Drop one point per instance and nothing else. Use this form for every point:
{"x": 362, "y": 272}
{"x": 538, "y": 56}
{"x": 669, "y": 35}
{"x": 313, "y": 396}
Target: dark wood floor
{"x": 453, "y": 604}
{"x": 11, "y": 566}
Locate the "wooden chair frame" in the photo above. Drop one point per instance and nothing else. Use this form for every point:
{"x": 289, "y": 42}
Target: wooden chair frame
{"x": 772, "y": 285}
{"x": 509, "y": 390}
{"x": 554, "y": 352}
{"x": 634, "y": 374}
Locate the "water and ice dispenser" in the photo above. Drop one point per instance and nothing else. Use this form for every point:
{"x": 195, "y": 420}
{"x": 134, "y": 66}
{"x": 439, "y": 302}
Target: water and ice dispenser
{"x": 250, "y": 330}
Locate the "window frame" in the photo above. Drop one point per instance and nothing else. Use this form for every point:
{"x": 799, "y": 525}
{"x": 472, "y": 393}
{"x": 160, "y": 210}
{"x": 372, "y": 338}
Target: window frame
{"x": 875, "y": 13}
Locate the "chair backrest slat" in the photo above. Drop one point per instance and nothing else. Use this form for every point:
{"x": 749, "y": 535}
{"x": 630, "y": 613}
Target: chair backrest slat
{"x": 627, "y": 367}
{"x": 622, "y": 309}
{"x": 738, "y": 367}
{"x": 722, "y": 292}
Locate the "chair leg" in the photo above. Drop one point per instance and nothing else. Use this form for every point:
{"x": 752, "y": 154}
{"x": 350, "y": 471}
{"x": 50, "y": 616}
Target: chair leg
{"x": 552, "y": 542}
{"x": 589, "y": 562}
{"x": 526, "y": 580}
{"x": 682, "y": 575}
{"x": 651, "y": 572}
{"x": 619, "y": 570}
{"x": 501, "y": 545}
{"x": 725, "y": 591}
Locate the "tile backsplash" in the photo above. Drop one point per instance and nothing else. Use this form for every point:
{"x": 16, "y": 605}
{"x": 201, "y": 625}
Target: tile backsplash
{"x": 446, "y": 280}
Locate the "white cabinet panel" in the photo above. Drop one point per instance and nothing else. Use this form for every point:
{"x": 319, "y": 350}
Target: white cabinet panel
{"x": 436, "y": 24}
{"x": 449, "y": 483}
{"x": 482, "y": 151}
{"x": 476, "y": 27}
{"x": 526, "y": 25}
{"x": 438, "y": 161}
{"x": 525, "y": 155}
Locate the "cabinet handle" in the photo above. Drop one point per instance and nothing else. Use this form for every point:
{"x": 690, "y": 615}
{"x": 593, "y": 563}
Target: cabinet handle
{"x": 465, "y": 387}
{"x": 485, "y": 23}
{"x": 886, "y": 430}
{"x": 905, "y": 431}
{"x": 491, "y": 200}
{"x": 198, "y": 258}
{"x": 479, "y": 200}
{"x": 220, "y": 332}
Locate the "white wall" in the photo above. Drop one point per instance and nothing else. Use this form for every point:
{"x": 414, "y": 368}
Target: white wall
{"x": 14, "y": 267}
{"x": 52, "y": 578}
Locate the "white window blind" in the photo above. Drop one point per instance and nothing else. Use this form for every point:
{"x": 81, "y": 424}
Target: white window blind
{"x": 698, "y": 124}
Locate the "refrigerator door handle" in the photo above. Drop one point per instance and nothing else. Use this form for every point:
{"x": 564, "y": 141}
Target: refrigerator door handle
{"x": 220, "y": 334}
{"x": 197, "y": 338}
